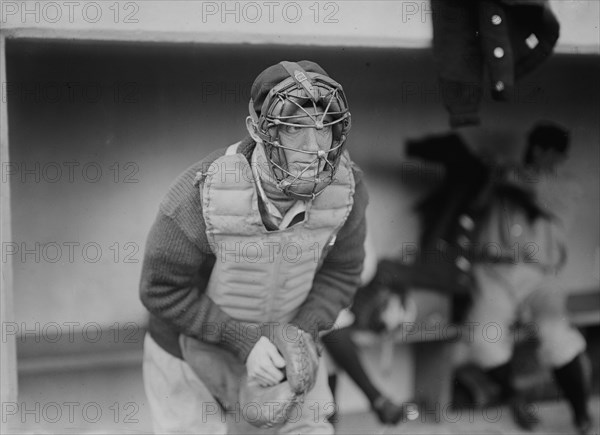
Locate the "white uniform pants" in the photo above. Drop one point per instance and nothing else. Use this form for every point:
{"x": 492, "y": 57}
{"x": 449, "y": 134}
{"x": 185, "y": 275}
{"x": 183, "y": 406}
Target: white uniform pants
{"x": 507, "y": 291}
{"x": 181, "y": 403}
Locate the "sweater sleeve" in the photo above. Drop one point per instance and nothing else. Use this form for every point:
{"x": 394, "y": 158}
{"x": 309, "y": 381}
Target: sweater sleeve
{"x": 338, "y": 278}
{"x": 173, "y": 289}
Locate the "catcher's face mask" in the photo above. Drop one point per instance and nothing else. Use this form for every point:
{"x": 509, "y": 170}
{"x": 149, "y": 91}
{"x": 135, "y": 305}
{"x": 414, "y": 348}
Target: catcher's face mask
{"x": 303, "y": 124}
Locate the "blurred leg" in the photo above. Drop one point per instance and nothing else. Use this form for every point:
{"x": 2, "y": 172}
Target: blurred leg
{"x": 560, "y": 342}
{"x": 494, "y": 311}
{"x": 332, "y": 381}
{"x": 572, "y": 380}
{"x": 522, "y": 411}
{"x": 562, "y": 347}
{"x": 344, "y": 352}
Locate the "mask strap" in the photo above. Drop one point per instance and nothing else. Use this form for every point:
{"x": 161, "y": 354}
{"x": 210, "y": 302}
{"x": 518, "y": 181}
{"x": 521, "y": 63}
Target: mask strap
{"x": 301, "y": 77}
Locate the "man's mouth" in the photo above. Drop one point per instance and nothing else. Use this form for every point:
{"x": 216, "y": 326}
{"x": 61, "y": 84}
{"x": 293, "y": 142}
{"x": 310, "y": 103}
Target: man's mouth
{"x": 307, "y": 169}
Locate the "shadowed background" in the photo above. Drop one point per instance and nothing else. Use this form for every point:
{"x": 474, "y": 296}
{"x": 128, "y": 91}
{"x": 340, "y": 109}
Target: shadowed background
{"x": 141, "y": 114}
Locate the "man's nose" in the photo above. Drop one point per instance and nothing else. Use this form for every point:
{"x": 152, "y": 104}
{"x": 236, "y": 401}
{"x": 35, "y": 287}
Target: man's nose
{"x": 311, "y": 140}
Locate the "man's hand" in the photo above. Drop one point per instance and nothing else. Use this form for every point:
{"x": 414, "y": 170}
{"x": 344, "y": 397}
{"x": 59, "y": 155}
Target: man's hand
{"x": 264, "y": 363}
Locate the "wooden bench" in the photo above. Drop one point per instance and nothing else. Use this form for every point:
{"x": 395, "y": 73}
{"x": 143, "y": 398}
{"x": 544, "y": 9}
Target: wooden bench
{"x": 432, "y": 336}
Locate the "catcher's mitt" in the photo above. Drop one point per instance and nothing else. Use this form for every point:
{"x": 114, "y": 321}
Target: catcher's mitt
{"x": 301, "y": 357}
{"x": 271, "y": 406}
{"x": 266, "y": 407}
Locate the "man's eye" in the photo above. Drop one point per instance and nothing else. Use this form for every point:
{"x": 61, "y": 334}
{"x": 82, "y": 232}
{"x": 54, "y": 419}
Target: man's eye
{"x": 291, "y": 129}
{"x": 325, "y": 130}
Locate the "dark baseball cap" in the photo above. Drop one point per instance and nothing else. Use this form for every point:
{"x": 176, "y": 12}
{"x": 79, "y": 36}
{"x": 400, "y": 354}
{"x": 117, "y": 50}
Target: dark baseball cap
{"x": 274, "y": 75}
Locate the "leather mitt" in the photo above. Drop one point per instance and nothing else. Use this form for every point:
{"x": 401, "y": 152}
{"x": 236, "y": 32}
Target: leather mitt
{"x": 301, "y": 357}
{"x": 266, "y": 407}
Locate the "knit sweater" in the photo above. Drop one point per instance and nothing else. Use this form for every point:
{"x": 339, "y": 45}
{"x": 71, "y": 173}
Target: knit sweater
{"x": 178, "y": 263}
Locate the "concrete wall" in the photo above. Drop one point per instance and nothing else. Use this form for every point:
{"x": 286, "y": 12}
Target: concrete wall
{"x": 143, "y": 113}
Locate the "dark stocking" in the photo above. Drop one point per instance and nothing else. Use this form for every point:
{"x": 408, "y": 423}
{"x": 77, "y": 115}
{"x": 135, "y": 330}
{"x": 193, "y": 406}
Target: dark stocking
{"x": 571, "y": 380}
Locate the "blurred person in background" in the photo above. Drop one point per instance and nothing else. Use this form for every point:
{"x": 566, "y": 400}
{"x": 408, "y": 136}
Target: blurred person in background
{"x": 381, "y": 306}
{"x": 502, "y": 242}
{"x": 524, "y": 225}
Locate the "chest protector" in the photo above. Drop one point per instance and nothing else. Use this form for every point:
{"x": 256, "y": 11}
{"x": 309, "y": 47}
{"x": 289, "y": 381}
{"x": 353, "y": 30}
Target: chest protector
{"x": 261, "y": 275}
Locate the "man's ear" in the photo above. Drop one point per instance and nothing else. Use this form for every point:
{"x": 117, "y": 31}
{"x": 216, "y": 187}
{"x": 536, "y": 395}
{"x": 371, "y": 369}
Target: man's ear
{"x": 252, "y": 130}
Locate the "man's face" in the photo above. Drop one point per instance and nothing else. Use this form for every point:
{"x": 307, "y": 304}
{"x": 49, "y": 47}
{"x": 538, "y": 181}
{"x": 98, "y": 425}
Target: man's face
{"x": 305, "y": 142}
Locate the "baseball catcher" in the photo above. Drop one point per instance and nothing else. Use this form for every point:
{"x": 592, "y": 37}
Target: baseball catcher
{"x": 255, "y": 250}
